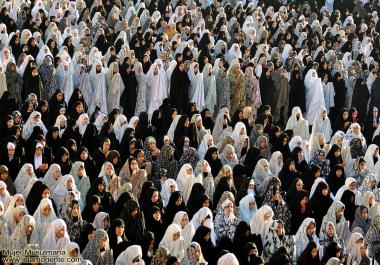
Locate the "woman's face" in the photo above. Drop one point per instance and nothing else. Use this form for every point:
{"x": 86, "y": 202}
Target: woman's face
{"x": 108, "y": 170}
{"x": 60, "y": 233}
{"x": 69, "y": 184}
{"x": 46, "y": 194}
{"x": 29, "y": 230}
{"x": 365, "y": 214}
{"x": 314, "y": 252}
{"x": 106, "y": 146}
{"x": 304, "y": 201}
{"x": 45, "y": 211}
{"x": 84, "y": 156}
{"x": 102, "y": 243}
{"x": 337, "y": 153}
{"x": 119, "y": 230}
{"x": 178, "y": 202}
{"x": 176, "y": 236}
{"x": 184, "y": 221}
{"x": 325, "y": 192}
{"x": 214, "y": 156}
{"x": 154, "y": 198}
{"x": 310, "y": 229}
{"x": 339, "y": 213}
{"x": 330, "y": 231}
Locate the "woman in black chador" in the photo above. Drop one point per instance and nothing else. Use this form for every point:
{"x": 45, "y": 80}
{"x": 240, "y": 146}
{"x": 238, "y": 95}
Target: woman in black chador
{"x": 129, "y": 96}
{"x": 179, "y": 88}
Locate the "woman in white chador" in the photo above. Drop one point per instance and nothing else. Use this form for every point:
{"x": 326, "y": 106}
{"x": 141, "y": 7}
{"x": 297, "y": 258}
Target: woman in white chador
{"x": 119, "y": 126}
{"x": 83, "y": 121}
{"x": 197, "y": 89}
{"x": 98, "y": 84}
{"x": 328, "y": 92}
{"x": 44, "y": 215}
{"x": 141, "y": 89}
{"x": 322, "y": 125}
{"x": 56, "y": 237}
{"x": 185, "y": 181}
{"x": 156, "y": 91}
{"x": 34, "y": 120}
{"x": 298, "y": 124}
{"x": 314, "y": 94}
{"x": 24, "y": 233}
{"x": 24, "y": 178}
{"x": 209, "y": 87}
{"x": 115, "y": 86}
{"x": 65, "y": 79}
{"x": 63, "y": 193}
{"x": 174, "y": 241}
{"x": 82, "y": 181}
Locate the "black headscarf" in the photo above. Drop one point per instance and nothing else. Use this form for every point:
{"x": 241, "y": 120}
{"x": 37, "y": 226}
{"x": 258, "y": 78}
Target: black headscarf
{"x": 334, "y": 182}
{"x": 135, "y": 224}
{"x": 113, "y": 239}
{"x": 319, "y": 204}
{"x": 216, "y": 164}
{"x": 172, "y": 208}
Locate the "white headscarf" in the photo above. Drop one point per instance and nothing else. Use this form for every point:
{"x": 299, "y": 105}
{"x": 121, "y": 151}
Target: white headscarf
{"x": 127, "y": 256}
{"x": 23, "y": 178}
{"x": 274, "y": 167}
{"x": 257, "y": 223}
{"x": 314, "y": 94}
{"x": 31, "y": 123}
{"x": 83, "y": 183}
{"x": 204, "y": 217}
{"x": 353, "y": 248}
{"x": 299, "y": 126}
{"x": 301, "y": 237}
{"x": 166, "y": 192}
{"x": 49, "y": 179}
{"x": 119, "y": 126}
{"x": 188, "y": 231}
{"x": 6, "y": 197}
{"x": 185, "y": 181}
{"x": 43, "y": 222}
{"x": 260, "y": 174}
{"x": 50, "y": 241}
{"x": 99, "y": 219}
{"x": 369, "y": 156}
{"x": 83, "y": 121}
{"x": 203, "y": 147}
{"x": 197, "y": 89}
{"x": 228, "y": 259}
{"x": 19, "y": 239}
{"x": 177, "y": 247}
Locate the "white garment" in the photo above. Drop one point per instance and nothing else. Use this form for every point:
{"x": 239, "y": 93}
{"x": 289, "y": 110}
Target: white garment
{"x": 115, "y": 87}
{"x": 65, "y": 79}
{"x": 43, "y": 222}
{"x": 314, "y": 94}
{"x": 322, "y": 125}
{"x": 188, "y": 231}
{"x": 177, "y": 247}
{"x": 301, "y": 237}
{"x": 98, "y": 83}
{"x": 127, "y": 256}
{"x": 166, "y": 192}
{"x": 257, "y": 223}
{"x": 185, "y": 181}
{"x": 119, "y": 126}
{"x": 329, "y": 94}
{"x": 299, "y": 125}
{"x": 197, "y": 89}
{"x": 50, "y": 241}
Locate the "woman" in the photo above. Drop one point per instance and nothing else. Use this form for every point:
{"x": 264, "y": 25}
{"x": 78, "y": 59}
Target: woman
{"x": 161, "y": 256}
{"x": 134, "y": 220}
{"x": 353, "y": 248}
{"x": 247, "y": 207}
{"x": 335, "y": 215}
{"x": 82, "y": 181}
{"x": 373, "y": 232}
{"x": 304, "y": 235}
{"x": 25, "y": 179}
{"x": 176, "y": 204}
{"x": 238, "y": 86}
{"x": 63, "y": 193}
{"x": 185, "y": 181}
{"x": 56, "y": 237}
{"x": 181, "y": 218}
{"x": 336, "y": 179}
{"x": 174, "y": 241}
{"x": 225, "y": 221}
{"x": 261, "y": 174}
{"x": 260, "y": 224}
{"x": 43, "y": 216}
{"x": 97, "y": 250}
{"x": 272, "y": 198}
{"x": 362, "y": 219}
{"x": 213, "y": 160}
{"x": 24, "y": 233}
{"x": 52, "y": 176}
{"x": 118, "y": 240}
{"x": 328, "y": 236}
{"x": 193, "y": 255}
{"x": 202, "y": 237}
{"x": 314, "y": 94}
{"x": 133, "y": 174}
{"x": 310, "y": 256}
{"x": 298, "y": 124}
{"x": 320, "y": 160}
{"x": 320, "y": 202}
{"x": 275, "y": 239}
{"x": 288, "y": 173}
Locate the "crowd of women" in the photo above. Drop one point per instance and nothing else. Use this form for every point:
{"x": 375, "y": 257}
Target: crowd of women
{"x": 190, "y": 132}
